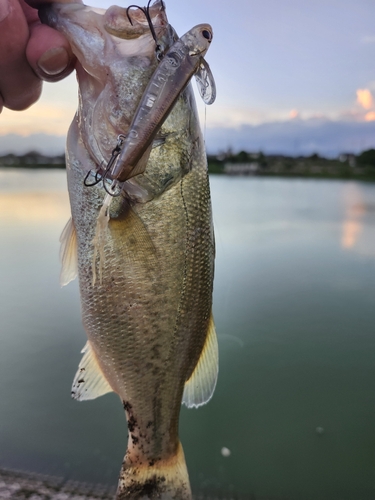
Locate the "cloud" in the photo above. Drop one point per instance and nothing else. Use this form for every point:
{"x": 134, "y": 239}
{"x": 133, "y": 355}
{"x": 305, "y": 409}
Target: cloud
{"x": 40, "y": 118}
{"x": 295, "y": 137}
{"x": 223, "y": 115}
{"x": 368, "y": 39}
{"x": 370, "y": 116}
{"x": 290, "y": 137}
{"x": 294, "y": 113}
{"x": 44, "y": 143}
{"x": 364, "y": 98}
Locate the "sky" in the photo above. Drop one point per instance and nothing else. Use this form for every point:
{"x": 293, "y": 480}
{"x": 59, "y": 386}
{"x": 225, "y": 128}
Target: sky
{"x": 292, "y": 77}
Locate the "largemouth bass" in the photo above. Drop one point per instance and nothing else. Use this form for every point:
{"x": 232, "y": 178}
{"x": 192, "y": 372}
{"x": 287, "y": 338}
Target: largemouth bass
{"x": 151, "y": 336}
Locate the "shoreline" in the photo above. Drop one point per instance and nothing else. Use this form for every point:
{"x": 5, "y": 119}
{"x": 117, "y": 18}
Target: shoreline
{"x": 290, "y": 175}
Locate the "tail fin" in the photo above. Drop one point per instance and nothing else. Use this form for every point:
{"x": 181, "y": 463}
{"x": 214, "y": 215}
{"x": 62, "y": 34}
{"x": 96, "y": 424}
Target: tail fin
{"x": 162, "y": 479}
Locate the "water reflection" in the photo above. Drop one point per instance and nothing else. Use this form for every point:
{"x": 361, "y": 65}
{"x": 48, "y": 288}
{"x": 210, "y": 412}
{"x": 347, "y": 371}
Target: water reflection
{"x": 354, "y": 212}
{"x": 33, "y": 208}
{"x": 30, "y": 198}
{"x": 359, "y": 218}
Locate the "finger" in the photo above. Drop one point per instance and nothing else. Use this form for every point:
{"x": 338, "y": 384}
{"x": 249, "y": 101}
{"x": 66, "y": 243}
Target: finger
{"x": 49, "y": 53}
{"x": 19, "y": 86}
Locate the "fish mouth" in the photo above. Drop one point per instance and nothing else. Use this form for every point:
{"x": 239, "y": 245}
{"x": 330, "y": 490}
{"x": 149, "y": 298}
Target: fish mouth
{"x": 133, "y": 22}
{"x": 71, "y": 19}
{"x": 121, "y": 22}
{"x": 49, "y": 13}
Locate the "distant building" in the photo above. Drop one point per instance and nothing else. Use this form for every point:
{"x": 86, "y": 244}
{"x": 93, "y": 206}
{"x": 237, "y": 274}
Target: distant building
{"x": 350, "y": 158}
{"x": 250, "y": 168}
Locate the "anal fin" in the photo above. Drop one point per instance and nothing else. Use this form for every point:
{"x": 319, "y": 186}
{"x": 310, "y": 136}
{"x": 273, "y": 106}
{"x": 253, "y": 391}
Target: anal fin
{"x": 89, "y": 381}
{"x": 201, "y": 385}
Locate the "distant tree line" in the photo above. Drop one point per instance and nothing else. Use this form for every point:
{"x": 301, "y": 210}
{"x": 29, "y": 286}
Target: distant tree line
{"x": 367, "y": 158}
{"x": 32, "y": 159}
{"x": 347, "y": 165}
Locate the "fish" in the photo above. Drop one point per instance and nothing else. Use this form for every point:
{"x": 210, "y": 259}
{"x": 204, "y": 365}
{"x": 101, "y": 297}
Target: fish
{"x": 148, "y": 320}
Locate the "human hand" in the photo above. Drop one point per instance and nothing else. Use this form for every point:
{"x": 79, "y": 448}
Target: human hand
{"x": 29, "y": 53}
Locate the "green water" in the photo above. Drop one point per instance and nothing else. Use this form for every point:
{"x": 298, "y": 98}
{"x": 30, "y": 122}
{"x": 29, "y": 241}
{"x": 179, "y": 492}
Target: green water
{"x": 294, "y": 305}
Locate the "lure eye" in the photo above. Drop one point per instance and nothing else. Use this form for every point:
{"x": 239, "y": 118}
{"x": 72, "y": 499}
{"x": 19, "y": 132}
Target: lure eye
{"x": 207, "y": 35}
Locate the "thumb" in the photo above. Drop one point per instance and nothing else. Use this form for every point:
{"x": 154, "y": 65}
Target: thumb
{"x": 48, "y": 52}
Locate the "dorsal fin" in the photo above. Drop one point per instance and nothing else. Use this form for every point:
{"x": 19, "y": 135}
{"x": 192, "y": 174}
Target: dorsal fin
{"x": 89, "y": 381}
{"x": 68, "y": 253}
{"x": 201, "y": 385}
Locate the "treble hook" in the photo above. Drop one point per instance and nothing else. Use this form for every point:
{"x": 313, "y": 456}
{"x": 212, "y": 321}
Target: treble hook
{"x": 111, "y": 190}
{"x": 97, "y": 179}
{"x": 104, "y": 177}
{"x": 146, "y": 12}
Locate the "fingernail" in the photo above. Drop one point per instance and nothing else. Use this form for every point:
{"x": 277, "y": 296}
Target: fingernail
{"x": 4, "y": 9}
{"x": 54, "y": 61}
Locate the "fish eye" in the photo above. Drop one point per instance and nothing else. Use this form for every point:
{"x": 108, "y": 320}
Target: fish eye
{"x": 207, "y": 35}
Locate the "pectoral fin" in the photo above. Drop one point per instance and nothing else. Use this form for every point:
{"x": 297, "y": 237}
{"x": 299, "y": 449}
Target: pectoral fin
{"x": 68, "y": 253}
{"x": 142, "y": 163}
{"x": 89, "y": 382}
{"x": 201, "y": 385}
{"x": 137, "y": 240}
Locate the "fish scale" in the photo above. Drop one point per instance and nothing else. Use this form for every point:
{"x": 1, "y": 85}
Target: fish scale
{"x": 180, "y": 209}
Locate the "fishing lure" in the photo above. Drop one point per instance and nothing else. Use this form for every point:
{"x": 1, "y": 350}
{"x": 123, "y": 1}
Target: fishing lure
{"x": 184, "y": 59}
{"x": 172, "y": 75}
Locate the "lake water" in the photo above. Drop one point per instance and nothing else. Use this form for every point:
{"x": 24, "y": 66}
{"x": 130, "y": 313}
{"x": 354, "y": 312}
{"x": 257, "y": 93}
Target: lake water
{"x": 294, "y": 304}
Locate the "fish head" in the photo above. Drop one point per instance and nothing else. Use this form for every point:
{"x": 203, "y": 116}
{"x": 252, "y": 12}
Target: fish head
{"x": 116, "y": 57}
{"x": 90, "y": 29}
